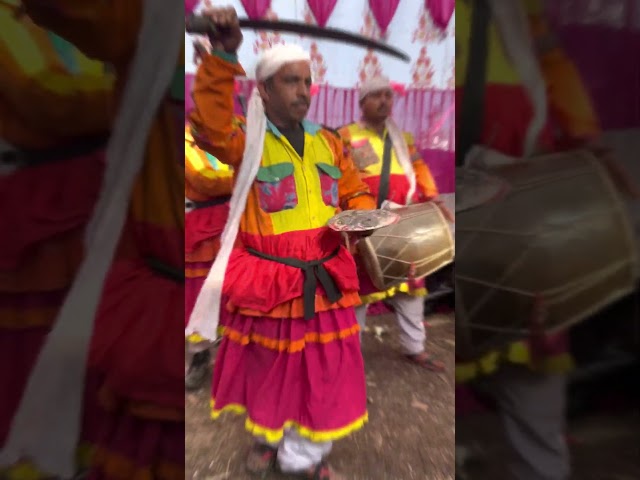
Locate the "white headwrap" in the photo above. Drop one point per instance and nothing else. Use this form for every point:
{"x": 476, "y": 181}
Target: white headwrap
{"x": 206, "y": 312}
{"x": 377, "y": 83}
{"x": 46, "y": 426}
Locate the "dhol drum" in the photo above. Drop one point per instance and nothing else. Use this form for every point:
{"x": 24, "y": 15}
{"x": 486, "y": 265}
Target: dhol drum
{"x": 552, "y": 251}
{"x": 421, "y": 239}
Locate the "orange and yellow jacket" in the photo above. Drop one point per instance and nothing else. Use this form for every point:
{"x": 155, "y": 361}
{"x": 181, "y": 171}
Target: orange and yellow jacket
{"x": 289, "y": 204}
{"x": 50, "y": 92}
{"x": 398, "y": 184}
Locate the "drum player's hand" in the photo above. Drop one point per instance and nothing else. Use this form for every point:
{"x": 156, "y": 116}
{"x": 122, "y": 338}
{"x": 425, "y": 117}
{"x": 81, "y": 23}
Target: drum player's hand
{"x": 229, "y": 35}
{"x": 617, "y": 171}
{"x": 445, "y": 211}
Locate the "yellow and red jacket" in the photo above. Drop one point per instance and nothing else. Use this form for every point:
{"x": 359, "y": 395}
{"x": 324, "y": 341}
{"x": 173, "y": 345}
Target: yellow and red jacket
{"x": 398, "y": 184}
{"x": 108, "y": 32}
{"x": 50, "y": 92}
{"x": 289, "y": 203}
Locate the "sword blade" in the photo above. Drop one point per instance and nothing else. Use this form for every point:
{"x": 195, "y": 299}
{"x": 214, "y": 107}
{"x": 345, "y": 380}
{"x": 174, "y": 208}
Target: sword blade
{"x": 200, "y": 25}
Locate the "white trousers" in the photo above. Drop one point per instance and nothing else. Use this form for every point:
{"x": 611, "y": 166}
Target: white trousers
{"x": 297, "y": 454}
{"x": 532, "y": 408}
{"x": 410, "y": 316}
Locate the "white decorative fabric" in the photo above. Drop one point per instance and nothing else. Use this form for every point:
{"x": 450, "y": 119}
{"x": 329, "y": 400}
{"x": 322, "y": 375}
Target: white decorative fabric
{"x": 402, "y": 154}
{"x": 345, "y": 66}
{"x": 206, "y": 312}
{"x": 47, "y": 424}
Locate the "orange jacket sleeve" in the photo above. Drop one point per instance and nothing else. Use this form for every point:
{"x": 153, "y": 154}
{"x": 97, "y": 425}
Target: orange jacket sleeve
{"x": 569, "y": 102}
{"x": 353, "y": 192}
{"x": 425, "y": 183}
{"x": 104, "y": 30}
{"x": 212, "y": 117}
{"x": 53, "y": 102}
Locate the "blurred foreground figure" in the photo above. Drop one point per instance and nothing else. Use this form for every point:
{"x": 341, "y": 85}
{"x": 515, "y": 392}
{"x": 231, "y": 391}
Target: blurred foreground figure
{"x": 289, "y": 330}
{"x": 208, "y": 185}
{"x": 131, "y": 280}
{"x": 403, "y": 178}
{"x": 524, "y": 96}
{"x": 56, "y": 111}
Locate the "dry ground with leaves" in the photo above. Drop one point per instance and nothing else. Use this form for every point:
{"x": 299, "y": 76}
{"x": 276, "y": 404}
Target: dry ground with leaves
{"x": 410, "y": 435}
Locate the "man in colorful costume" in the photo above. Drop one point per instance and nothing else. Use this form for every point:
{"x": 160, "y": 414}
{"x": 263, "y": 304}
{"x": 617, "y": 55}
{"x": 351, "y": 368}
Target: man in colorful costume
{"x": 291, "y": 334}
{"x": 528, "y": 383}
{"x": 56, "y": 112}
{"x": 208, "y": 185}
{"x": 409, "y": 180}
{"x": 129, "y": 289}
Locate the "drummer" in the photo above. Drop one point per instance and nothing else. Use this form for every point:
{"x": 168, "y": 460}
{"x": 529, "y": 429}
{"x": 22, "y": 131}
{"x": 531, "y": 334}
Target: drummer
{"x": 287, "y": 340}
{"x": 406, "y": 180}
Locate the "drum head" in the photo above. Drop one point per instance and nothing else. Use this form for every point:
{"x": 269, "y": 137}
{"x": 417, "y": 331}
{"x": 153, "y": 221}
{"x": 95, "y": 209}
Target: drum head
{"x": 362, "y": 220}
{"x": 475, "y": 188}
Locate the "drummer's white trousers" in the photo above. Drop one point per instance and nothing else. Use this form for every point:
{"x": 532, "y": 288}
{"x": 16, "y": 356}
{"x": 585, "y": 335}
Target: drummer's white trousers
{"x": 410, "y": 316}
{"x": 532, "y": 408}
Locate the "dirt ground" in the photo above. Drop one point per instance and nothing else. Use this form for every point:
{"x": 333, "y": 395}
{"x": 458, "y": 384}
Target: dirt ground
{"x": 603, "y": 447}
{"x": 411, "y": 430}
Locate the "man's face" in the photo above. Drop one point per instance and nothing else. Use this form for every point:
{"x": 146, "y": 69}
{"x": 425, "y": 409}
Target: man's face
{"x": 376, "y": 106}
{"x": 287, "y": 94}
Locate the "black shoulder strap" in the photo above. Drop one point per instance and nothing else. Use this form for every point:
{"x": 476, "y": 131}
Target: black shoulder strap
{"x": 383, "y": 191}
{"x": 472, "y": 113}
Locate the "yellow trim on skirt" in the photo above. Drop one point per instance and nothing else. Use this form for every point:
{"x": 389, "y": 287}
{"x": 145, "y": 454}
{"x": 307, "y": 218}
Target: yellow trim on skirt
{"x": 274, "y": 436}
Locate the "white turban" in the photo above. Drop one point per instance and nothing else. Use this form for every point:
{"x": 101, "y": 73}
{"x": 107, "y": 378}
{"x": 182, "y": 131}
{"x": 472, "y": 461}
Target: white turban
{"x": 206, "y": 312}
{"x": 47, "y": 423}
{"x": 276, "y": 57}
{"x": 375, "y": 84}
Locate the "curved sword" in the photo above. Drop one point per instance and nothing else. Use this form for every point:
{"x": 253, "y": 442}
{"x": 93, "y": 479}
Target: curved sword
{"x": 200, "y": 25}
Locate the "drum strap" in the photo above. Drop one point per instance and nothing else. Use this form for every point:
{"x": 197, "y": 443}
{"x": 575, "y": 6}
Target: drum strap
{"x": 383, "y": 190}
{"x": 472, "y": 112}
{"x": 314, "y": 271}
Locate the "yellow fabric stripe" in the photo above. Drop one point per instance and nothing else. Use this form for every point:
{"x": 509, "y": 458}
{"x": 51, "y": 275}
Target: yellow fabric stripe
{"x": 19, "y": 42}
{"x": 499, "y": 68}
{"x": 311, "y": 211}
{"x": 28, "y": 471}
{"x": 402, "y": 288}
{"x": 518, "y": 354}
{"x": 275, "y": 435}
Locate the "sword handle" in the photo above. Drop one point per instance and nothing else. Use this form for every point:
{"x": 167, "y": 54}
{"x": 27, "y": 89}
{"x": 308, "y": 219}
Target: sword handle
{"x": 201, "y": 25}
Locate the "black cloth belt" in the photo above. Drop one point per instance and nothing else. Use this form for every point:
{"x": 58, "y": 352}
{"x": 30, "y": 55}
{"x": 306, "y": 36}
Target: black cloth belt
{"x": 314, "y": 271}
{"x": 165, "y": 270}
{"x": 209, "y": 203}
{"x": 77, "y": 148}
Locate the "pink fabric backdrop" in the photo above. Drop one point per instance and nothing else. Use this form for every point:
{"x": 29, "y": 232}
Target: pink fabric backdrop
{"x": 428, "y": 114}
{"x": 256, "y": 9}
{"x": 321, "y": 10}
{"x": 383, "y": 11}
{"x": 604, "y": 41}
{"x": 441, "y": 11}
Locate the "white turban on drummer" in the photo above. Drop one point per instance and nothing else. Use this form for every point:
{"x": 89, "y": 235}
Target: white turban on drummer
{"x": 376, "y": 84}
{"x": 206, "y": 312}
